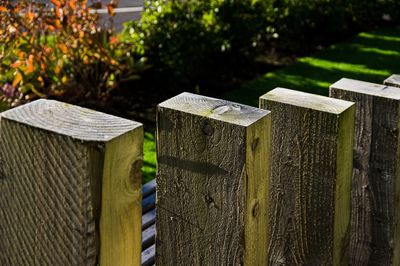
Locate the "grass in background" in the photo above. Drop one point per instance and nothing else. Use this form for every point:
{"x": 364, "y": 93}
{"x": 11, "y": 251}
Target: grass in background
{"x": 371, "y": 56}
{"x": 149, "y": 159}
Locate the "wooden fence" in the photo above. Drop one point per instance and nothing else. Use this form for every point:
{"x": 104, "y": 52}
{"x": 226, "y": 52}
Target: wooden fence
{"x": 302, "y": 180}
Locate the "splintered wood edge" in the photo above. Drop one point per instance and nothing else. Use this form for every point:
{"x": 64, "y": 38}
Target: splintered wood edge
{"x": 307, "y": 100}
{"x": 367, "y": 88}
{"x": 70, "y": 120}
{"x": 217, "y": 109}
{"x": 393, "y": 80}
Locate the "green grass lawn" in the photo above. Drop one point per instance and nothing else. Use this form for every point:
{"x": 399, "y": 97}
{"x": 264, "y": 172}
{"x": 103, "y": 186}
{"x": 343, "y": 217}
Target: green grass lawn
{"x": 371, "y": 56}
{"x": 149, "y": 159}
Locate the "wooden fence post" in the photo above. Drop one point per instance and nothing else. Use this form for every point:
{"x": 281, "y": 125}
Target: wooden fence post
{"x": 309, "y": 197}
{"x": 70, "y": 186}
{"x": 213, "y": 167}
{"x": 375, "y": 182}
{"x": 393, "y": 80}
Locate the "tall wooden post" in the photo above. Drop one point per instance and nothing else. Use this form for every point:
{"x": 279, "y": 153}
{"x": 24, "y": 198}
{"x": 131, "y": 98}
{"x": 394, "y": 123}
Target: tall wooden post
{"x": 375, "y": 236}
{"x": 69, "y": 186}
{"x": 393, "y": 80}
{"x": 309, "y": 198}
{"x": 213, "y": 167}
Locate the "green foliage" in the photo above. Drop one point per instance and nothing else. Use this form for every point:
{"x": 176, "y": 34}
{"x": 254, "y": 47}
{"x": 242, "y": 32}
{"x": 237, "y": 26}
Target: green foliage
{"x": 304, "y": 24}
{"x": 191, "y": 41}
{"x": 58, "y": 53}
{"x": 186, "y": 37}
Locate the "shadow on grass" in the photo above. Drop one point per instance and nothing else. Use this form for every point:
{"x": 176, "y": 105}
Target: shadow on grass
{"x": 368, "y": 56}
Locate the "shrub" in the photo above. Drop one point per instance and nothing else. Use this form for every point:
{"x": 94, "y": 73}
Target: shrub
{"x": 190, "y": 39}
{"x": 58, "y": 52}
{"x": 305, "y": 24}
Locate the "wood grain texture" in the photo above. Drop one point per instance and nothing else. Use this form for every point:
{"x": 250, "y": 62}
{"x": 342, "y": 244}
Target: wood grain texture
{"x": 121, "y": 209}
{"x": 375, "y": 182}
{"x": 213, "y": 168}
{"x": 393, "y": 80}
{"x": 310, "y": 179}
{"x": 54, "y": 160}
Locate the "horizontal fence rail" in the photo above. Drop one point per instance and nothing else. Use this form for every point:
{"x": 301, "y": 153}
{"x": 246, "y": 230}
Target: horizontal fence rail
{"x": 302, "y": 180}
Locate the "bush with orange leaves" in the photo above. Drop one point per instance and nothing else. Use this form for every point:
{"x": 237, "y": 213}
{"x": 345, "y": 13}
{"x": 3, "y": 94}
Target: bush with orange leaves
{"x": 58, "y": 51}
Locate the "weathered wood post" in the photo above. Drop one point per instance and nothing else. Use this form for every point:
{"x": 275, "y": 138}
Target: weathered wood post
{"x": 375, "y": 238}
{"x": 309, "y": 197}
{"x": 213, "y": 167}
{"x": 393, "y": 80}
{"x": 69, "y": 186}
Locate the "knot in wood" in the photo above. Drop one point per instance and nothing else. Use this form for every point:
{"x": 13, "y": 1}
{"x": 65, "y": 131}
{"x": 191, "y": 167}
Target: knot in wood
{"x": 254, "y": 144}
{"x": 135, "y": 175}
{"x": 209, "y": 200}
{"x": 394, "y": 131}
{"x": 208, "y": 130}
{"x": 256, "y": 209}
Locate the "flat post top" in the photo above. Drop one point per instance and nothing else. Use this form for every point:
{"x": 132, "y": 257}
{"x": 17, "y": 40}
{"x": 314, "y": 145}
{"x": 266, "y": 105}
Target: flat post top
{"x": 393, "y": 80}
{"x": 221, "y": 110}
{"x": 70, "y": 120}
{"x": 307, "y": 100}
{"x": 368, "y": 88}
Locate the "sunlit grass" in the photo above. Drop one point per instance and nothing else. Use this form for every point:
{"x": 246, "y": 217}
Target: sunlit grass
{"x": 371, "y": 56}
{"x": 342, "y": 67}
{"x": 374, "y": 35}
{"x": 149, "y": 159}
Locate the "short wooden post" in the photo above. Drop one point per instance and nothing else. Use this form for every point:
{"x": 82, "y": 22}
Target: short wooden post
{"x": 69, "y": 186}
{"x": 393, "y": 80}
{"x": 311, "y": 168}
{"x": 213, "y": 167}
{"x": 375, "y": 238}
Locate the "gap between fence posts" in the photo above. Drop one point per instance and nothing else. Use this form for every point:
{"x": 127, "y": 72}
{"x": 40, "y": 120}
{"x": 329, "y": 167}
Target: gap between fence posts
{"x": 309, "y": 197}
{"x": 212, "y": 182}
{"x": 375, "y": 194}
{"x": 70, "y": 186}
